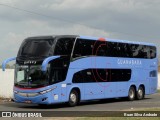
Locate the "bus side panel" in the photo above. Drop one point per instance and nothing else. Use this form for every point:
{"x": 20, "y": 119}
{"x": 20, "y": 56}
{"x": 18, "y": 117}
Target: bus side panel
{"x": 122, "y": 89}
{"x": 153, "y": 85}
{"x": 152, "y": 77}
{"x": 110, "y": 89}
{"x": 55, "y": 96}
{"x": 64, "y": 92}
{"x": 93, "y": 91}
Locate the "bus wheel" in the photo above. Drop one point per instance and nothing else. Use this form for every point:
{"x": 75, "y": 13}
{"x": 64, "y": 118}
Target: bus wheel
{"x": 140, "y": 93}
{"x": 73, "y": 98}
{"x": 131, "y": 93}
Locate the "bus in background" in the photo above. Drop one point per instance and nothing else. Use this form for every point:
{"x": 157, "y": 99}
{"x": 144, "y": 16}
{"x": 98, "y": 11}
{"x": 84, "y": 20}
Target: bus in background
{"x": 70, "y": 68}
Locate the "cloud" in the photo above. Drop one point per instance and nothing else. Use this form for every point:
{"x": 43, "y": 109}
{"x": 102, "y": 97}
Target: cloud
{"x": 14, "y": 34}
{"x": 120, "y": 19}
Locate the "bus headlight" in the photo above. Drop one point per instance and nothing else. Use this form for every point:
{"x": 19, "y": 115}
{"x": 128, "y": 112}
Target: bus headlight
{"x": 15, "y": 91}
{"x": 46, "y": 91}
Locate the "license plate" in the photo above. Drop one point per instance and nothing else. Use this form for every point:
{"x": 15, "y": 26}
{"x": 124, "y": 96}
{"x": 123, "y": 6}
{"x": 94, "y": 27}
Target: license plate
{"x": 28, "y": 101}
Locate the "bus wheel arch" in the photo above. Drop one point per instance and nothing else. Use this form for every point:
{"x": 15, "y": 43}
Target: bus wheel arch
{"x": 74, "y": 97}
{"x": 132, "y": 93}
{"x": 140, "y": 92}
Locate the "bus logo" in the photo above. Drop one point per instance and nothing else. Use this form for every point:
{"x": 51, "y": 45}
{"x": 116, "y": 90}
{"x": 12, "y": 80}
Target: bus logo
{"x": 30, "y": 62}
{"x": 129, "y": 62}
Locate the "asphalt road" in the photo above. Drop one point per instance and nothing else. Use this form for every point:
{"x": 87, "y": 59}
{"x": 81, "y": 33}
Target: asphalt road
{"x": 150, "y": 101}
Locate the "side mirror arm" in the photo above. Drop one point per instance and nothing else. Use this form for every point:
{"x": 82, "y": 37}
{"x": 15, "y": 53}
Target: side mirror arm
{"x": 4, "y": 63}
{"x": 46, "y": 61}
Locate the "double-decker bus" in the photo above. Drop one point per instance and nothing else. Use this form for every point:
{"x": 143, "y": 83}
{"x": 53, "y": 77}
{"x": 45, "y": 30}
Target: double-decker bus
{"x": 72, "y": 68}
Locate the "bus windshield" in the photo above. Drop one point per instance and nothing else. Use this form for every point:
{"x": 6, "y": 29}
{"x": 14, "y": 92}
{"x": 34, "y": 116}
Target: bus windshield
{"x": 31, "y": 76}
{"x": 36, "y": 48}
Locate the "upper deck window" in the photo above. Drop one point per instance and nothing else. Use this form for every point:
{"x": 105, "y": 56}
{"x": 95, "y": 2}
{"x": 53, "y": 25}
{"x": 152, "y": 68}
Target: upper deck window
{"x": 112, "y": 49}
{"x": 64, "y": 46}
{"x": 36, "y": 48}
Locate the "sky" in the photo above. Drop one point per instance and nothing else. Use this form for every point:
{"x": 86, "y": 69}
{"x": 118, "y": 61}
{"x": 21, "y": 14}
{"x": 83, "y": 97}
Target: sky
{"x": 133, "y": 20}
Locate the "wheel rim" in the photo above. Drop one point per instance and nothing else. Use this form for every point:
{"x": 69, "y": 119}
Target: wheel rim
{"x": 140, "y": 93}
{"x": 73, "y": 98}
{"x": 131, "y": 94}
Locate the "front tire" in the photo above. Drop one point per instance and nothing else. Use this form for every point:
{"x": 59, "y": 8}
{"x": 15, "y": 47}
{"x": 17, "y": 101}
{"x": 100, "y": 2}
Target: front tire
{"x": 140, "y": 93}
{"x": 73, "y": 98}
{"x": 131, "y": 93}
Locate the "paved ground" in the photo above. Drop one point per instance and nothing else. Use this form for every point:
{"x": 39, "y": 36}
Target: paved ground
{"x": 150, "y": 101}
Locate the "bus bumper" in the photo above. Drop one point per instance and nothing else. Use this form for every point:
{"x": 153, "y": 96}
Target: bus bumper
{"x": 39, "y": 99}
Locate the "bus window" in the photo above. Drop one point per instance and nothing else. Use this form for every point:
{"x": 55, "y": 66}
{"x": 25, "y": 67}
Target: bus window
{"x": 120, "y": 74}
{"x": 36, "y": 48}
{"x": 135, "y": 50}
{"x": 101, "y": 48}
{"x": 102, "y": 75}
{"x": 153, "y": 73}
{"x": 101, "y": 51}
{"x": 128, "y": 50}
{"x": 78, "y": 77}
{"x": 64, "y": 46}
{"x": 152, "y": 52}
{"x": 83, "y": 48}
{"x": 59, "y": 69}
{"x": 112, "y": 49}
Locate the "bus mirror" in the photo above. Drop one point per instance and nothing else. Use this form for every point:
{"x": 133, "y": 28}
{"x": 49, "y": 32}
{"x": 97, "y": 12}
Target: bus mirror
{"x": 46, "y": 61}
{"x": 4, "y": 63}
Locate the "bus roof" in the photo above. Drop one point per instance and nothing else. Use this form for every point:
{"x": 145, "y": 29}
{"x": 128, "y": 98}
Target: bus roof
{"x": 50, "y": 36}
{"x": 92, "y": 38}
